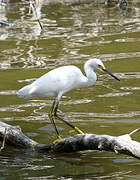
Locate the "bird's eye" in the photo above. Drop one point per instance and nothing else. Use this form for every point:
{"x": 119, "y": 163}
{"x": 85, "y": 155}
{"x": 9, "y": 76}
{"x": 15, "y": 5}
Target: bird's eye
{"x": 101, "y": 66}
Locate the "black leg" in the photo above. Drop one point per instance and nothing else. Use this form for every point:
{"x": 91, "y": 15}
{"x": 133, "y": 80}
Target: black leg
{"x": 66, "y": 122}
{"x": 51, "y": 116}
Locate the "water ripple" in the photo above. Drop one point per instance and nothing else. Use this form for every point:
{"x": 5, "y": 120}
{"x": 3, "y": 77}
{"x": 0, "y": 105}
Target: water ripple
{"x": 130, "y": 88}
{"x": 116, "y": 94}
{"x": 8, "y": 92}
{"x": 105, "y": 115}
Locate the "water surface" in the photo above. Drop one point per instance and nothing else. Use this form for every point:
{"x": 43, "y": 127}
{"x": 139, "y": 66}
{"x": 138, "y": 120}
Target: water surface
{"x": 72, "y": 34}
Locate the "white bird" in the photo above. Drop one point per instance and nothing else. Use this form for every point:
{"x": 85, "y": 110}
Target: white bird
{"x": 61, "y": 80}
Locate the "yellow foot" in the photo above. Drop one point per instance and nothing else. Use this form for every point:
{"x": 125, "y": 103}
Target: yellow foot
{"x": 56, "y": 140}
{"x": 76, "y": 129}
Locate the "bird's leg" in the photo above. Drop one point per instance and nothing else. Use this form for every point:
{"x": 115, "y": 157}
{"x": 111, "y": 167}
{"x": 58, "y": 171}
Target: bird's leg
{"x": 66, "y": 122}
{"x": 51, "y": 116}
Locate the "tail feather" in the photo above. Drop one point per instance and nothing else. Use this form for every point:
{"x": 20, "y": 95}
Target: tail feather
{"x": 25, "y": 92}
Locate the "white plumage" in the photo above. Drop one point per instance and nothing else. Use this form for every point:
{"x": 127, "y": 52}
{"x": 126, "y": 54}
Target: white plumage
{"x": 61, "y": 80}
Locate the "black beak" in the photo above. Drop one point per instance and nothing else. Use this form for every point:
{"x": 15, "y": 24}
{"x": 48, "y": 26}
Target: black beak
{"x": 108, "y": 72}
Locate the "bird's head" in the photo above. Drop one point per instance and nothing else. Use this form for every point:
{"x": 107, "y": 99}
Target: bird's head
{"x": 98, "y": 64}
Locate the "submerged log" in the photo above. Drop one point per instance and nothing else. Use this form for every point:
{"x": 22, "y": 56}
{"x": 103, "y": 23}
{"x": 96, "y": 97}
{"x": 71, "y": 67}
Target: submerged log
{"x": 13, "y": 136}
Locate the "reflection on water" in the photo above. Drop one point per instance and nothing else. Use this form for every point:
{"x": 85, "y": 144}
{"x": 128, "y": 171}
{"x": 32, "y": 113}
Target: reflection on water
{"x": 72, "y": 34}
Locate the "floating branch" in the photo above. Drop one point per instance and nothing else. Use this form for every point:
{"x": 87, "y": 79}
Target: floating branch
{"x": 119, "y": 144}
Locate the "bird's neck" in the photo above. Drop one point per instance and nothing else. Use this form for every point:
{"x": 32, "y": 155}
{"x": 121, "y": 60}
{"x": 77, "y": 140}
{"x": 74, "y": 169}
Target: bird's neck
{"x": 90, "y": 74}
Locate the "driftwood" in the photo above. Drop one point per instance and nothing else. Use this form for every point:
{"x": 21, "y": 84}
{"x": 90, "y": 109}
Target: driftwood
{"x": 13, "y": 136}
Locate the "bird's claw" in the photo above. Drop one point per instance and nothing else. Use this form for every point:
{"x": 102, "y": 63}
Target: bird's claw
{"x": 57, "y": 140}
{"x": 72, "y": 131}
{"x": 76, "y": 129}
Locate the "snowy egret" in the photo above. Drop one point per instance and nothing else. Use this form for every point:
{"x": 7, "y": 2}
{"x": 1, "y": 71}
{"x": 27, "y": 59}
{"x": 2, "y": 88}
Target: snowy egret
{"x": 61, "y": 80}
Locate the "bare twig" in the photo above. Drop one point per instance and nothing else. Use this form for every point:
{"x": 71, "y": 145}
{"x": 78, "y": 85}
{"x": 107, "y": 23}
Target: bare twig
{"x": 133, "y": 132}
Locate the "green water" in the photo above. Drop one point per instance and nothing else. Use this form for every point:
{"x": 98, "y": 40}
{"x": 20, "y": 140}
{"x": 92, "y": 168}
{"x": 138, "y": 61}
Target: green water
{"x": 72, "y": 35}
